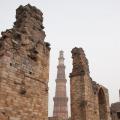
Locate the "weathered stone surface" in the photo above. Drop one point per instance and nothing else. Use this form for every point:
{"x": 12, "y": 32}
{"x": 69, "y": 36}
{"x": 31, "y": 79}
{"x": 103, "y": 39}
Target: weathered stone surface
{"x": 89, "y": 100}
{"x": 115, "y": 110}
{"x": 24, "y": 68}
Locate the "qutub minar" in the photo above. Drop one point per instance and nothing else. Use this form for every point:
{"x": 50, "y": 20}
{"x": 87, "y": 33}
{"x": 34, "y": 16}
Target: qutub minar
{"x": 24, "y": 77}
{"x": 60, "y": 99}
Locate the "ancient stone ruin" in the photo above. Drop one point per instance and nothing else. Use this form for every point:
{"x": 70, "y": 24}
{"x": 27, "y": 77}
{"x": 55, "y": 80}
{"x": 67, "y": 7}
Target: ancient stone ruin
{"x": 89, "y": 100}
{"x": 115, "y": 110}
{"x": 24, "y": 74}
{"x": 24, "y": 68}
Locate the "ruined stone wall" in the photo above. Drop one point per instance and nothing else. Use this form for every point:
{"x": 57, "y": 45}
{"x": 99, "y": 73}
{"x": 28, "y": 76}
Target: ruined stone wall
{"x": 89, "y": 100}
{"x": 115, "y": 111}
{"x": 24, "y": 68}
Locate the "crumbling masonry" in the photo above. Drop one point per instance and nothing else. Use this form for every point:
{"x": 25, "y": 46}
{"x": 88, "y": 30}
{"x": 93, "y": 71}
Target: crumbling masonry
{"x": 24, "y": 74}
{"x": 89, "y": 100}
{"x": 115, "y": 110}
{"x": 24, "y": 68}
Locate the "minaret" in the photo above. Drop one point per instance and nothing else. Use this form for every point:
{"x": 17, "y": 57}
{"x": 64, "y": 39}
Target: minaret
{"x": 60, "y": 99}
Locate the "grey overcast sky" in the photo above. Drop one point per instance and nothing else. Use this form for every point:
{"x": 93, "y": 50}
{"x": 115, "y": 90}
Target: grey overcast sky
{"x": 93, "y": 25}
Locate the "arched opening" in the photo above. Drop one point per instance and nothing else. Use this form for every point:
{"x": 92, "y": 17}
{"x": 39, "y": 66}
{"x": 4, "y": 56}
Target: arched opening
{"x": 102, "y": 105}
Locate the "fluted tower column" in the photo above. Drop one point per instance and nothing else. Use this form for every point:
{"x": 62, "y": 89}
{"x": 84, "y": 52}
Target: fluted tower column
{"x": 60, "y": 99}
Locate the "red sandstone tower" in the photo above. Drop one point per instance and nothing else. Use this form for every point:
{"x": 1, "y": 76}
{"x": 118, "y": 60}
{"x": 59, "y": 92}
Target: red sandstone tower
{"x": 60, "y": 99}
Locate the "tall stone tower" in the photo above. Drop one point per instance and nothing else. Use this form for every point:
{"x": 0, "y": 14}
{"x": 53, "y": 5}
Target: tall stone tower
{"x": 89, "y": 100}
{"x": 24, "y": 68}
{"x": 60, "y": 99}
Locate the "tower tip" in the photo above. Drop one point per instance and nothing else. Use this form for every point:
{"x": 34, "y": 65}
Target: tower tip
{"x": 61, "y": 51}
{"x": 61, "y": 54}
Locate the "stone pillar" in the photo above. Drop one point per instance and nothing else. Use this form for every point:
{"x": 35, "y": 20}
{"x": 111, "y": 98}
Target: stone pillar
{"x": 60, "y": 99}
{"x": 82, "y": 106}
{"x": 78, "y": 85}
{"x": 89, "y": 100}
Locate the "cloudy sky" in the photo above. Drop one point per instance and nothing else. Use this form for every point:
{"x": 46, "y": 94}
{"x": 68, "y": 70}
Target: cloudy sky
{"x": 93, "y": 25}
